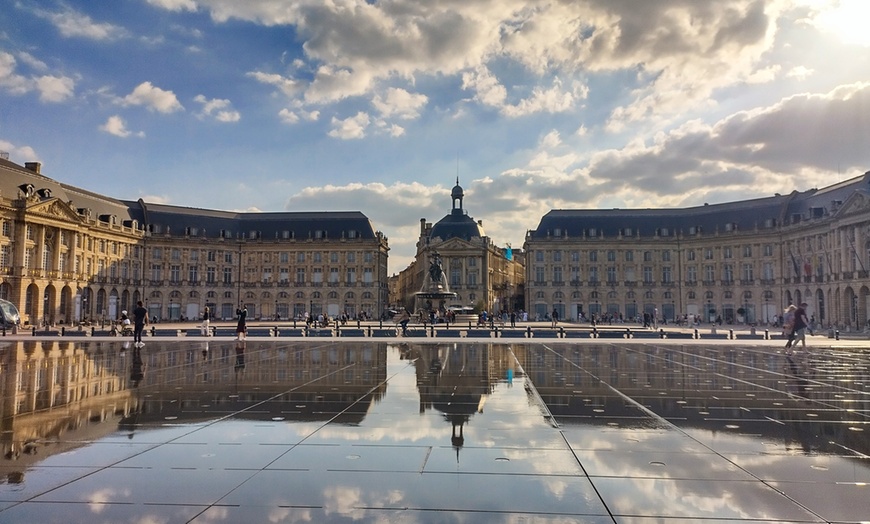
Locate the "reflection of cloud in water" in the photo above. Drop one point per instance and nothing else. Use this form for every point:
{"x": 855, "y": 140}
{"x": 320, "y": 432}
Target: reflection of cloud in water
{"x": 341, "y": 499}
{"x": 99, "y": 498}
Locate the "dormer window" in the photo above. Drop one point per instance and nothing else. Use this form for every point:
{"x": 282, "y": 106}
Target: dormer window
{"x": 319, "y": 234}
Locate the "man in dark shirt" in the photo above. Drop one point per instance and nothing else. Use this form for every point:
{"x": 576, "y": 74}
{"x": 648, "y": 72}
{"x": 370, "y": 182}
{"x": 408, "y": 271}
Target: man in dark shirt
{"x": 800, "y": 325}
{"x": 140, "y": 319}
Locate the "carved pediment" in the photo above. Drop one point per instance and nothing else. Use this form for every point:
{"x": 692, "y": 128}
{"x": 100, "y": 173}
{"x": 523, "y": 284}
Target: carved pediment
{"x": 456, "y": 243}
{"x": 858, "y": 202}
{"x": 54, "y": 208}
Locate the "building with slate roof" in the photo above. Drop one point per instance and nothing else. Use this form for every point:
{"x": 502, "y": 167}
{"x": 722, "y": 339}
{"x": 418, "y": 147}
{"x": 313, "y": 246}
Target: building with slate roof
{"x": 483, "y": 276}
{"x": 738, "y": 262}
{"x": 67, "y": 254}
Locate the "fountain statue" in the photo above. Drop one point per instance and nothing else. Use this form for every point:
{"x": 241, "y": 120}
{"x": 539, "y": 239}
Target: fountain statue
{"x": 435, "y": 290}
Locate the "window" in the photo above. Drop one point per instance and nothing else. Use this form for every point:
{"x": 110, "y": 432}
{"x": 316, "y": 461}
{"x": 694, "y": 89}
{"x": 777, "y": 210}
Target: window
{"x": 667, "y": 275}
{"x": 557, "y": 274}
{"x": 690, "y": 255}
{"x": 708, "y": 253}
{"x": 333, "y": 257}
{"x": 228, "y": 275}
{"x": 666, "y": 255}
{"x": 709, "y": 273}
{"x": 539, "y": 274}
{"x": 575, "y": 274}
{"x": 351, "y": 257}
{"x": 611, "y": 255}
{"x": 351, "y": 276}
{"x": 557, "y": 256}
{"x": 210, "y": 275}
{"x": 192, "y": 274}
{"x": 300, "y": 275}
{"x": 728, "y": 273}
{"x": 333, "y": 275}
{"x": 539, "y": 256}
{"x": 691, "y": 274}
{"x": 747, "y": 251}
{"x": 157, "y": 253}
{"x": 211, "y": 256}
{"x": 175, "y": 254}
{"x": 228, "y": 257}
{"x": 767, "y": 271}
{"x": 593, "y": 273}
{"x": 629, "y": 256}
{"x": 647, "y": 256}
{"x": 156, "y": 272}
{"x": 175, "y": 274}
{"x": 768, "y": 250}
{"x": 472, "y": 262}
{"x": 300, "y": 258}
{"x": 368, "y": 277}
{"x": 593, "y": 256}
{"x": 747, "y": 272}
{"x": 318, "y": 276}
{"x": 317, "y": 257}
{"x": 575, "y": 256}
{"x": 647, "y": 274}
{"x": 611, "y": 274}
{"x": 726, "y": 252}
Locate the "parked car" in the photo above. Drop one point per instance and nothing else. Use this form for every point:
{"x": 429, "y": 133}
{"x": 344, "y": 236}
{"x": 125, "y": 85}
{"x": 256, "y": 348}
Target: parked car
{"x": 8, "y": 314}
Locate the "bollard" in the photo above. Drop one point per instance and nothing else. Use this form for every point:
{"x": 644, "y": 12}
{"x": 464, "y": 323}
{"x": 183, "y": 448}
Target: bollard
{"x": 528, "y": 331}
{"x": 696, "y": 335}
{"x": 153, "y": 331}
{"x": 34, "y": 331}
{"x": 730, "y": 334}
{"x": 62, "y": 330}
{"x": 561, "y": 332}
{"x": 837, "y": 334}
{"x": 92, "y": 331}
{"x": 766, "y": 334}
{"x": 594, "y": 333}
{"x": 276, "y": 331}
{"x": 661, "y": 333}
{"x": 628, "y": 333}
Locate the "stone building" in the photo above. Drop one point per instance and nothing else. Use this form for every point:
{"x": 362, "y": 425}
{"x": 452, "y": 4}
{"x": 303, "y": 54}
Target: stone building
{"x": 481, "y": 274}
{"x": 741, "y": 262}
{"x": 67, "y": 254}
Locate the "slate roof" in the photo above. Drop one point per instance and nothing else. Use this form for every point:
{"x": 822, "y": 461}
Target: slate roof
{"x": 746, "y": 215}
{"x": 176, "y": 220}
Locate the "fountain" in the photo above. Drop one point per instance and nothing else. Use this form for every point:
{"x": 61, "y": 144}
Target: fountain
{"x": 435, "y": 290}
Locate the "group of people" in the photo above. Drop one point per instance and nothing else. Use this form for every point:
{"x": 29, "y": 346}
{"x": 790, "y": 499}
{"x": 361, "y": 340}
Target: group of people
{"x": 795, "y": 326}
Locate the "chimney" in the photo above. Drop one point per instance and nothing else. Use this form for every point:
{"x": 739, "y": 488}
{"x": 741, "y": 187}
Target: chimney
{"x": 33, "y": 166}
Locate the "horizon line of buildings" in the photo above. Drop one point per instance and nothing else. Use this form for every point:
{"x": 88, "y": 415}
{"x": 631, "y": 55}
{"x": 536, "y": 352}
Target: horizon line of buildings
{"x": 68, "y": 254}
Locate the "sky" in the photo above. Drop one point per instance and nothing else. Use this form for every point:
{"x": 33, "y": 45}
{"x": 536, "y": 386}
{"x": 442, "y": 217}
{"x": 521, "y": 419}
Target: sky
{"x": 378, "y": 106}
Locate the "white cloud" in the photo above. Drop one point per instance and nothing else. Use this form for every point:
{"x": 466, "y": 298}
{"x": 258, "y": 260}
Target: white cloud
{"x": 115, "y": 125}
{"x": 51, "y": 88}
{"x": 399, "y": 103}
{"x": 25, "y": 153}
{"x": 800, "y": 72}
{"x": 73, "y": 24}
{"x": 292, "y": 116}
{"x": 218, "y": 108}
{"x": 350, "y": 128}
{"x": 32, "y": 61}
{"x": 54, "y": 88}
{"x": 174, "y": 5}
{"x": 154, "y": 98}
{"x": 288, "y": 86}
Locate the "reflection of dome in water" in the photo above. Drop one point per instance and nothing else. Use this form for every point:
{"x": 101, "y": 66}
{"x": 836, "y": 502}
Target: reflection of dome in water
{"x": 457, "y": 224}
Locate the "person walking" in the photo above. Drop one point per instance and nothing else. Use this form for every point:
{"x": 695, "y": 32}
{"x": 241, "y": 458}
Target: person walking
{"x": 801, "y": 324}
{"x": 788, "y": 325}
{"x": 555, "y": 317}
{"x": 206, "y": 317}
{"x": 242, "y": 326}
{"x": 403, "y": 321}
{"x": 140, "y": 320}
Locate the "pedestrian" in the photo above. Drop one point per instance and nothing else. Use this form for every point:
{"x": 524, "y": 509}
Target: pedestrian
{"x": 242, "y": 326}
{"x": 555, "y": 317}
{"x": 801, "y": 324}
{"x": 788, "y": 324}
{"x": 140, "y": 320}
{"x": 403, "y": 321}
{"x": 206, "y": 317}
{"x": 513, "y": 319}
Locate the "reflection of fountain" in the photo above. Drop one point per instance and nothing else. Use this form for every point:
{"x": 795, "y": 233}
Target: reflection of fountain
{"x": 435, "y": 290}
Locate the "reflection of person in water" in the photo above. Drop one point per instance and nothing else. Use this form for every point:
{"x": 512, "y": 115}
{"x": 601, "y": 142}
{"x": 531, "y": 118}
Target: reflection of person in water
{"x": 137, "y": 370}
{"x": 240, "y": 356}
{"x": 801, "y": 382}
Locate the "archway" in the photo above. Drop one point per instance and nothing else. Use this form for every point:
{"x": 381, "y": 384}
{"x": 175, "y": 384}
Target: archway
{"x": 863, "y": 308}
{"x": 820, "y": 304}
{"x": 49, "y": 305}
{"x": 65, "y": 308}
{"x": 32, "y": 302}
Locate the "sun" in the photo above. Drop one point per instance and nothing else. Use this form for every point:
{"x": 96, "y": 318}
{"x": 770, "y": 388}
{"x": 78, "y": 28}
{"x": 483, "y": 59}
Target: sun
{"x": 847, "y": 19}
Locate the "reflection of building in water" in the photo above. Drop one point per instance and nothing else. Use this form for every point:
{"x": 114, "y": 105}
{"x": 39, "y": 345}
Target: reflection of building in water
{"x": 456, "y": 380}
{"x": 51, "y": 388}
{"x": 300, "y": 381}
{"x": 701, "y": 386}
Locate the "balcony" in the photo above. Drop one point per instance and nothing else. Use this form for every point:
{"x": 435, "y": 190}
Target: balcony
{"x": 848, "y": 275}
{"x": 593, "y": 283}
{"x": 747, "y": 282}
{"x": 690, "y": 283}
{"x": 768, "y": 282}
{"x": 648, "y": 284}
{"x": 630, "y": 283}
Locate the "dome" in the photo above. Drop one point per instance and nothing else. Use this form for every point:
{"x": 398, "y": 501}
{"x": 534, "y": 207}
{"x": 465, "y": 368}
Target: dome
{"x": 457, "y": 225}
{"x": 457, "y": 191}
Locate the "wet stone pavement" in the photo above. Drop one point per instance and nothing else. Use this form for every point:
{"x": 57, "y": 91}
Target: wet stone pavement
{"x": 369, "y": 431}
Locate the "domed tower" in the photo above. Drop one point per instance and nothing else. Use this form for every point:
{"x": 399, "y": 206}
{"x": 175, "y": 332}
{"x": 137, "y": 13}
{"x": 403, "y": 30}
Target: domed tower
{"x": 457, "y": 224}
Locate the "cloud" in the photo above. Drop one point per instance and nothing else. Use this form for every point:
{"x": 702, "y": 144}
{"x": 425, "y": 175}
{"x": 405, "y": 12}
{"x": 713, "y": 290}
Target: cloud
{"x": 217, "y": 108}
{"x": 154, "y": 98}
{"x": 73, "y": 24}
{"x": 174, "y": 5}
{"x": 398, "y": 103}
{"x": 115, "y": 125}
{"x": 350, "y": 128}
{"x": 293, "y": 116}
{"x": 51, "y": 88}
{"x": 288, "y": 86}
{"x": 54, "y": 88}
{"x": 26, "y": 153}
